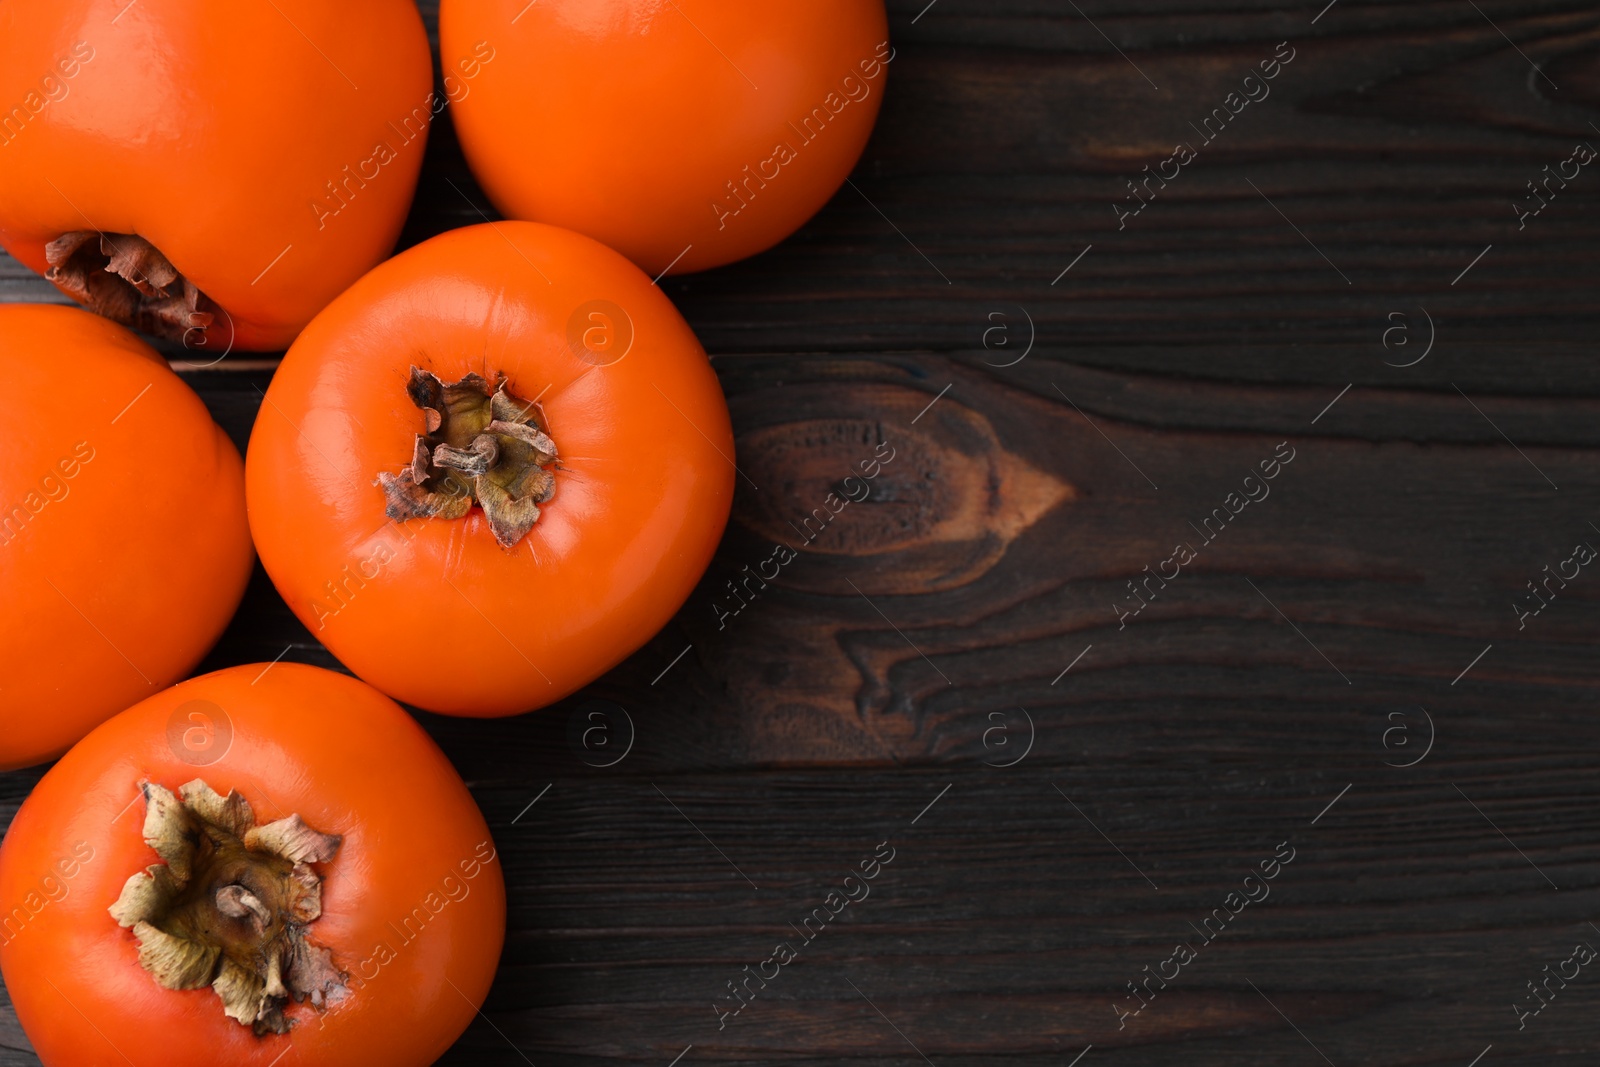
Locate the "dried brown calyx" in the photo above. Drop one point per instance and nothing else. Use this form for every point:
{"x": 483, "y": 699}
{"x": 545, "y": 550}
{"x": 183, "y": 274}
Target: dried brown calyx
{"x": 230, "y": 906}
{"x": 127, "y": 279}
{"x": 483, "y": 446}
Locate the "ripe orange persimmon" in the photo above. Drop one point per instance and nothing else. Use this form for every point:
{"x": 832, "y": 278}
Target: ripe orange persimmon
{"x": 212, "y": 173}
{"x": 684, "y": 134}
{"x": 124, "y": 547}
{"x": 270, "y": 864}
{"x": 491, "y": 469}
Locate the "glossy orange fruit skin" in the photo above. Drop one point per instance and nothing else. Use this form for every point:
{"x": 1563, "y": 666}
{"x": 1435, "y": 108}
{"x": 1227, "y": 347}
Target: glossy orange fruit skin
{"x": 627, "y": 120}
{"x": 300, "y": 740}
{"x": 124, "y": 547}
{"x": 433, "y": 611}
{"x": 213, "y": 130}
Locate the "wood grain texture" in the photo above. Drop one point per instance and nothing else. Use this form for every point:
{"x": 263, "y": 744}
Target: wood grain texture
{"x": 1100, "y": 782}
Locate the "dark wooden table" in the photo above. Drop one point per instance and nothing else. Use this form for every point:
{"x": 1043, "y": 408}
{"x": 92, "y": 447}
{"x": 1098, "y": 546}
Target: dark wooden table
{"x": 954, "y": 665}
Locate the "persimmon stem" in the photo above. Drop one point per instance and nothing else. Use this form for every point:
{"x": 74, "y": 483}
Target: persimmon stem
{"x": 126, "y": 278}
{"x": 481, "y": 446}
{"x": 230, "y": 906}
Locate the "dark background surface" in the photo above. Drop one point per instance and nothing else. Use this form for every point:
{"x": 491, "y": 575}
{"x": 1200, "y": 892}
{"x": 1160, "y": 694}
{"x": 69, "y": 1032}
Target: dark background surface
{"x": 1359, "y": 618}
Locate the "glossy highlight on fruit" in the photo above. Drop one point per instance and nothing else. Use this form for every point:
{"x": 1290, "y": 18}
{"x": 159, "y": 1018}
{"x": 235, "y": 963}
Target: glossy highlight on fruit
{"x": 209, "y": 173}
{"x": 263, "y": 865}
{"x": 124, "y": 548}
{"x": 683, "y": 133}
{"x": 492, "y": 469}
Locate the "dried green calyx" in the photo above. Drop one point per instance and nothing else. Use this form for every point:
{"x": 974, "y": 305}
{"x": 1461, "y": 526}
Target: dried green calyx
{"x": 230, "y": 906}
{"x": 482, "y": 446}
{"x": 127, "y": 279}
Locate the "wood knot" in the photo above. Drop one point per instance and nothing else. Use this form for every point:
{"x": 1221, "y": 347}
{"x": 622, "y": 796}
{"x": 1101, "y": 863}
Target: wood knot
{"x": 911, "y": 507}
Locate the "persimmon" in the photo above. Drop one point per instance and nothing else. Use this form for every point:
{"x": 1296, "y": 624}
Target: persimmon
{"x": 685, "y": 134}
{"x": 210, "y": 173}
{"x": 491, "y": 469}
{"x": 266, "y": 858}
{"x": 124, "y": 547}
